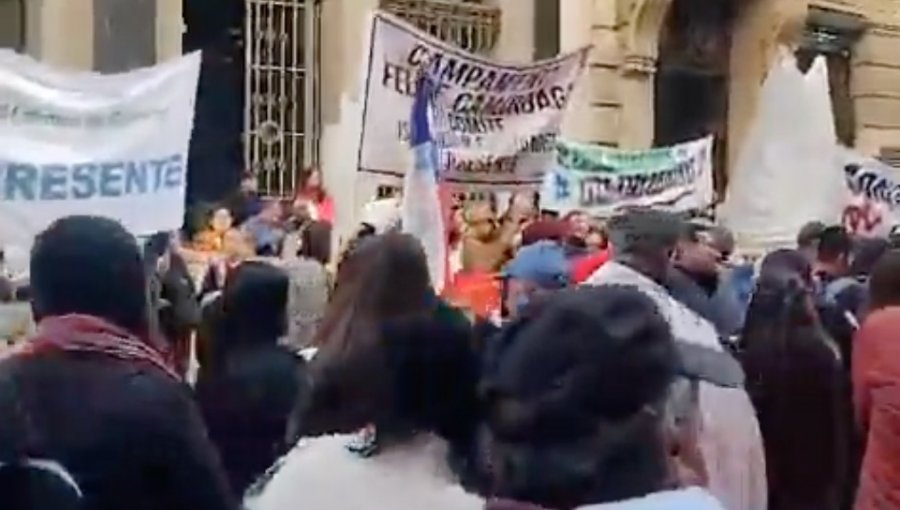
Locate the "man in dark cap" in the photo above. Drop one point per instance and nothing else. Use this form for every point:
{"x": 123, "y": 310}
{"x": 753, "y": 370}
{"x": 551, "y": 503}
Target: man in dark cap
{"x": 96, "y": 394}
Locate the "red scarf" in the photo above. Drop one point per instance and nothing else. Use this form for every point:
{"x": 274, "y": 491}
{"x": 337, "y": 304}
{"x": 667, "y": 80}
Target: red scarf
{"x": 88, "y": 334}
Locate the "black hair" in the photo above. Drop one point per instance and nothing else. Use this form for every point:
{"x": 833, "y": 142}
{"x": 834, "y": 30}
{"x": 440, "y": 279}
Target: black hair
{"x": 785, "y": 261}
{"x": 866, "y": 254}
{"x": 810, "y": 234}
{"x": 834, "y": 243}
{"x": 884, "y": 284}
{"x": 574, "y": 396}
{"x": 254, "y": 308}
{"x": 93, "y": 266}
{"x": 315, "y": 242}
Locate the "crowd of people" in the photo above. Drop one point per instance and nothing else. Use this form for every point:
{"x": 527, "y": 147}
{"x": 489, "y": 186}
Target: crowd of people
{"x": 571, "y": 363}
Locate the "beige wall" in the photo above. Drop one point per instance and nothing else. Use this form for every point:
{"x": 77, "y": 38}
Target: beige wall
{"x": 613, "y": 105}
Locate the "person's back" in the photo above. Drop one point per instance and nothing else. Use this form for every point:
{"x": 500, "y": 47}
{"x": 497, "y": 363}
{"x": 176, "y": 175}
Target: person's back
{"x": 246, "y": 405}
{"x": 248, "y": 386}
{"x": 94, "y": 391}
{"x": 132, "y": 438}
{"x": 876, "y": 388}
{"x": 38, "y": 484}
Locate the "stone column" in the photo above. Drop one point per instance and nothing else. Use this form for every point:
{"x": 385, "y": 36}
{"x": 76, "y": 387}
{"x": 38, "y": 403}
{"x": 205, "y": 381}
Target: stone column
{"x": 575, "y": 32}
{"x": 61, "y": 32}
{"x": 638, "y": 72}
{"x": 517, "y": 26}
{"x": 169, "y": 29}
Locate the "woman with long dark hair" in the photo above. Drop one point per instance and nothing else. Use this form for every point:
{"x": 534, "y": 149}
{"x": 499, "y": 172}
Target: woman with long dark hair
{"x": 248, "y": 385}
{"x": 397, "y": 363}
{"x": 800, "y": 390}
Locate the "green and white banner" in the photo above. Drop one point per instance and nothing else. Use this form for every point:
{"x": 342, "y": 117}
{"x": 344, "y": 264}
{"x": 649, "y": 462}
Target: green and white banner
{"x": 602, "y": 180}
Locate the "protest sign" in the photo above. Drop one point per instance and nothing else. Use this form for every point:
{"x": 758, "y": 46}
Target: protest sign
{"x": 495, "y": 124}
{"x": 601, "y": 180}
{"x": 873, "y": 207}
{"x": 84, "y": 143}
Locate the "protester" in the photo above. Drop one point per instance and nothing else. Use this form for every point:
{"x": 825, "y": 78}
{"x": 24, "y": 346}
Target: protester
{"x": 579, "y": 229}
{"x": 834, "y": 253}
{"x": 236, "y": 247}
{"x": 643, "y": 242}
{"x": 596, "y": 239}
{"x": 534, "y": 272}
{"x": 808, "y": 239}
{"x": 545, "y": 230}
{"x": 310, "y": 284}
{"x": 800, "y": 390}
{"x": 397, "y": 362}
{"x": 96, "y": 395}
{"x": 246, "y": 202}
{"x": 266, "y": 229}
{"x": 851, "y": 292}
{"x": 173, "y": 297}
{"x": 884, "y": 284}
{"x": 576, "y": 407}
{"x": 488, "y": 243}
{"x": 312, "y": 192}
{"x": 876, "y": 377}
{"x": 212, "y": 237}
{"x": 696, "y": 282}
{"x": 249, "y": 386}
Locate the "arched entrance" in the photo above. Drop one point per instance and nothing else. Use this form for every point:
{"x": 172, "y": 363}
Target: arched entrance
{"x": 718, "y": 52}
{"x": 12, "y": 24}
{"x": 691, "y": 87}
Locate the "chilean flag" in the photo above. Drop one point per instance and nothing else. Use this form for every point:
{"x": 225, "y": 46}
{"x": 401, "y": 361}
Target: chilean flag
{"x": 421, "y": 211}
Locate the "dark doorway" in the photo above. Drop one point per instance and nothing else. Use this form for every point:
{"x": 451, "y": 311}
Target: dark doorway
{"x": 215, "y": 162}
{"x": 692, "y": 79}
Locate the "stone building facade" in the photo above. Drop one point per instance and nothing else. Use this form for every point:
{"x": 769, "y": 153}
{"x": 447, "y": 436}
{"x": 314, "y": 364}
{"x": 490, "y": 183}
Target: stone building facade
{"x": 282, "y": 74}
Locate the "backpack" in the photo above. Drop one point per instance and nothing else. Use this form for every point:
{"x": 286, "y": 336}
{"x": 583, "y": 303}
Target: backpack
{"x": 38, "y": 484}
{"x": 29, "y": 482}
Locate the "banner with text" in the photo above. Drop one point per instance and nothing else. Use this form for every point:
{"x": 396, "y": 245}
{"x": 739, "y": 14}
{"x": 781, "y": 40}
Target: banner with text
{"x": 873, "y": 208}
{"x": 495, "y": 124}
{"x": 602, "y": 180}
{"x": 84, "y": 143}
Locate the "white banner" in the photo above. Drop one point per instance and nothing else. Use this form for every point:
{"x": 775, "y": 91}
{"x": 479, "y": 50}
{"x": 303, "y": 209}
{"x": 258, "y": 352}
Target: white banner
{"x": 84, "y": 143}
{"x": 873, "y": 208}
{"x": 495, "y": 123}
{"x": 601, "y": 180}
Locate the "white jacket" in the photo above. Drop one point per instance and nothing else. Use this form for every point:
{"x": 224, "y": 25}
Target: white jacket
{"x": 686, "y": 499}
{"x": 321, "y": 474}
{"x": 729, "y": 435}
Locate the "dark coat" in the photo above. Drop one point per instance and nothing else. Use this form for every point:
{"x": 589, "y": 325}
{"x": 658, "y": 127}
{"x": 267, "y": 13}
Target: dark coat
{"x": 722, "y": 309}
{"x": 131, "y": 436}
{"x": 247, "y": 399}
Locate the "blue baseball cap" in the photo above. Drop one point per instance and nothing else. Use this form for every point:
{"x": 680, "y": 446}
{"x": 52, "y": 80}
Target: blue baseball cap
{"x": 543, "y": 263}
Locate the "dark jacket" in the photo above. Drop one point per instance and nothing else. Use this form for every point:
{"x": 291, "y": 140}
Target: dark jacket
{"x": 132, "y": 437}
{"x": 722, "y": 309}
{"x": 247, "y": 399}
